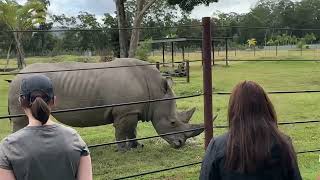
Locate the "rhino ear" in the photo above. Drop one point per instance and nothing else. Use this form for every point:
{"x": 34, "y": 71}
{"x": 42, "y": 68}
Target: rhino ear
{"x": 185, "y": 116}
{"x": 166, "y": 84}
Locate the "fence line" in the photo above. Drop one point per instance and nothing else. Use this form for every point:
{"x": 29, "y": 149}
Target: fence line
{"x": 154, "y": 100}
{"x": 269, "y": 60}
{"x": 144, "y": 138}
{"x": 276, "y": 92}
{"x": 192, "y": 164}
{"x": 104, "y": 29}
{"x": 109, "y": 105}
{"x": 190, "y": 130}
{"x": 96, "y": 68}
{"x": 273, "y": 28}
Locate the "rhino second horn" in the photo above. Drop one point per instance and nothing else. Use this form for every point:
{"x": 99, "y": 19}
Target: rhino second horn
{"x": 185, "y": 116}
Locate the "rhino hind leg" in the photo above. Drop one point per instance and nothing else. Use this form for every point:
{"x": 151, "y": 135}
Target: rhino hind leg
{"x": 125, "y": 128}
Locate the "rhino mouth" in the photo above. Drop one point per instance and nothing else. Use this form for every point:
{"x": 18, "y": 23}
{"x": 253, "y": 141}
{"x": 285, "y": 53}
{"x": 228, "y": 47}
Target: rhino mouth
{"x": 177, "y": 143}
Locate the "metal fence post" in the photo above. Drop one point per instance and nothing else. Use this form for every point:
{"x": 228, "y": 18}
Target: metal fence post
{"x": 207, "y": 80}
{"x": 172, "y": 54}
{"x": 212, "y": 47}
{"x": 226, "y": 43}
{"x": 188, "y": 71}
{"x": 162, "y": 54}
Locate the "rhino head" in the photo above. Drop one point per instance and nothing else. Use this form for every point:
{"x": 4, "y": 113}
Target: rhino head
{"x": 166, "y": 119}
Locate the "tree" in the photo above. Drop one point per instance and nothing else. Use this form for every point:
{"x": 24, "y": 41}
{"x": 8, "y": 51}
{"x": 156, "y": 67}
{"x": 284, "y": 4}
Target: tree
{"x": 188, "y": 5}
{"x": 252, "y": 42}
{"x": 111, "y": 22}
{"x": 122, "y": 24}
{"x": 21, "y": 17}
{"x": 141, "y": 8}
{"x": 310, "y": 38}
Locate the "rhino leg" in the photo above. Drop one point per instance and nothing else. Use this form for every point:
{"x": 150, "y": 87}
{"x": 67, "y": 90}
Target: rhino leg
{"x": 125, "y": 128}
{"x": 120, "y": 133}
{"x": 132, "y": 131}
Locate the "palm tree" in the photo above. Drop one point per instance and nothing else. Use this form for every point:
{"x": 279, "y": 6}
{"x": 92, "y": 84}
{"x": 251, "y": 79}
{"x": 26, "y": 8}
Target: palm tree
{"x": 252, "y": 42}
{"x": 19, "y": 18}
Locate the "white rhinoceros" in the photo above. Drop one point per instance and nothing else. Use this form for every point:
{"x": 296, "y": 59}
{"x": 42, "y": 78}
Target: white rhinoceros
{"x": 87, "y": 88}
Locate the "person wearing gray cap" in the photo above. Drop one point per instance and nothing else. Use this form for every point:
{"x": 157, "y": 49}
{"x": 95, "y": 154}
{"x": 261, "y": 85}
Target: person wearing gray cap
{"x": 44, "y": 150}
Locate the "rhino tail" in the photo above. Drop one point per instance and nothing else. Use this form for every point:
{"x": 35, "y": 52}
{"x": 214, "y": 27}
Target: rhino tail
{"x": 9, "y": 114}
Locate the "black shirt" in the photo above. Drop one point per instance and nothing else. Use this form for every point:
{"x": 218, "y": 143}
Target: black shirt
{"x": 213, "y": 165}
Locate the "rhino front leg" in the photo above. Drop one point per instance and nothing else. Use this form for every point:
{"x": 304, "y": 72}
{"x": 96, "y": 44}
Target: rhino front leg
{"x": 125, "y": 128}
{"x": 132, "y": 131}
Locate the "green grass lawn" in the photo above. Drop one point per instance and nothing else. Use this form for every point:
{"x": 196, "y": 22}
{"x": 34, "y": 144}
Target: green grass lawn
{"x": 157, "y": 154}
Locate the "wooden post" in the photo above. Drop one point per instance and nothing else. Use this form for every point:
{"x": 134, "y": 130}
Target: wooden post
{"x": 183, "y": 59}
{"x": 158, "y": 65}
{"x": 207, "y": 80}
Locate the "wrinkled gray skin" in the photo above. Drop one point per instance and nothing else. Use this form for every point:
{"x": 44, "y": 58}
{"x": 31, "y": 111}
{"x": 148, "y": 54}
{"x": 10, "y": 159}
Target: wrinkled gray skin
{"x": 111, "y": 86}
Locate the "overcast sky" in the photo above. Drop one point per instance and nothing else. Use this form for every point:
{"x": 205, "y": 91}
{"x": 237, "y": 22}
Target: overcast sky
{"x": 99, "y": 7}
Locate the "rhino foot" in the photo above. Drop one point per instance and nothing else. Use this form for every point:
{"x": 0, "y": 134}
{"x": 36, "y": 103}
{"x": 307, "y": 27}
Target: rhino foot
{"x": 122, "y": 148}
{"x": 135, "y": 145}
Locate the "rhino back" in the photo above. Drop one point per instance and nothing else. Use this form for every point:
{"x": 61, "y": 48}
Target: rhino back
{"x": 87, "y": 88}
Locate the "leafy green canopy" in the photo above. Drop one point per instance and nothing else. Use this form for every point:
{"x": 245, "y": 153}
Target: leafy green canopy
{"x": 188, "y": 5}
{"x": 18, "y": 17}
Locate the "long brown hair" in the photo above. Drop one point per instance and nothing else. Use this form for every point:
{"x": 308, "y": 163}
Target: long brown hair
{"x": 253, "y": 130}
{"x": 38, "y": 102}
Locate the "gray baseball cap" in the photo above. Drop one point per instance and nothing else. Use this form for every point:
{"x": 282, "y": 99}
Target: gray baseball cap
{"x": 36, "y": 83}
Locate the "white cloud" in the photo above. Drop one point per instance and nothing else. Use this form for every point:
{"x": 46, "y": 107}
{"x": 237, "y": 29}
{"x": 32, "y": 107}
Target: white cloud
{"x": 73, "y": 7}
{"x": 99, "y": 7}
{"x": 226, "y": 6}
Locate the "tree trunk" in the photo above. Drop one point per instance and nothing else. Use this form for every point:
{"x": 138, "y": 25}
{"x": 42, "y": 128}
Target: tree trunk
{"x": 20, "y": 52}
{"x": 8, "y": 56}
{"x": 122, "y": 23}
{"x": 141, "y": 9}
{"x": 136, "y": 32}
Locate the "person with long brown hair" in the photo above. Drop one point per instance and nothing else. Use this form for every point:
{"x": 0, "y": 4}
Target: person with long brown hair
{"x": 43, "y": 150}
{"x": 253, "y": 148}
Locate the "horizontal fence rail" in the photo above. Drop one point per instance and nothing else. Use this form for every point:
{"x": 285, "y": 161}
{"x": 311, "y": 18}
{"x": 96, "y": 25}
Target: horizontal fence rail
{"x": 269, "y": 60}
{"x": 154, "y": 100}
{"x": 105, "y": 29}
{"x": 276, "y": 92}
{"x": 190, "y": 130}
{"x": 98, "y": 68}
{"x": 273, "y": 28}
{"x": 191, "y": 164}
{"x": 150, "y": 137}
{"x": 108, "y": 105}
{"x": 160, "y": 170}
{"x": 279, "y": 123}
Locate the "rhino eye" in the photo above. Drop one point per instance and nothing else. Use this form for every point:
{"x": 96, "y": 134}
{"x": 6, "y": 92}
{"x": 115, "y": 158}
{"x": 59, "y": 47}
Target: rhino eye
{"x": 173, "y": 123}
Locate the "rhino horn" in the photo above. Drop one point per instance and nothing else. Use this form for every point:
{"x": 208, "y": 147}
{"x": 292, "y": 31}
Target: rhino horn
{"x": 185, "y": 116}
{"x": 199, "y": 127}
